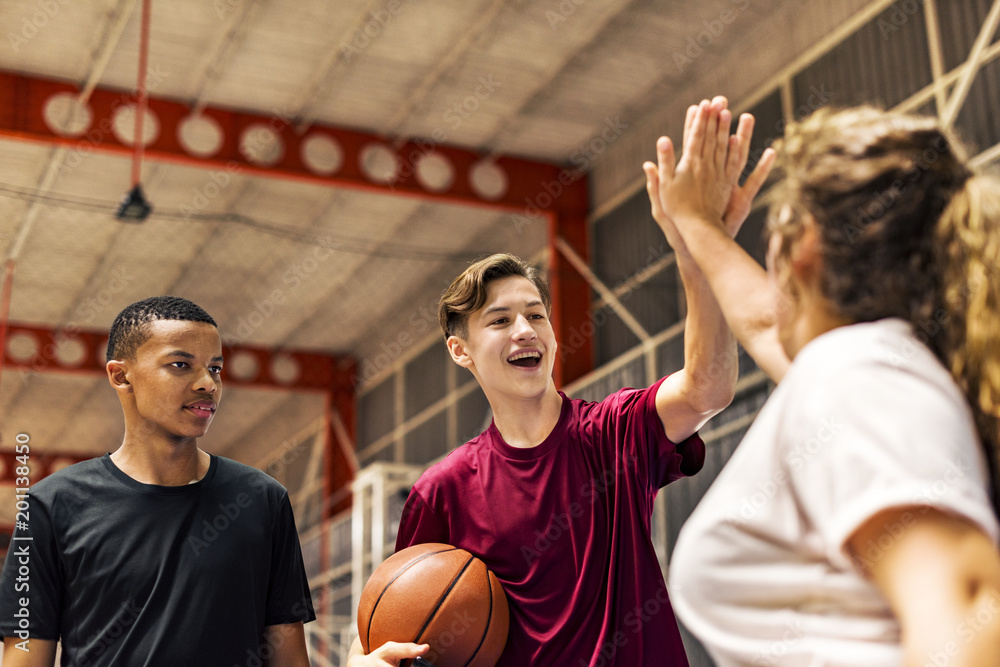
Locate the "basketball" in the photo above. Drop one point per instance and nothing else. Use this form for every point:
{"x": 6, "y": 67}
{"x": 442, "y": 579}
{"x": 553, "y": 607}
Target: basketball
{"x": 440, "y": 595}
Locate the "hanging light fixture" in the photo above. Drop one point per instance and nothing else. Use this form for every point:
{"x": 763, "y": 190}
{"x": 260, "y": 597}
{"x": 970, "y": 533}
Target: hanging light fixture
{"x": 134, "y": 206}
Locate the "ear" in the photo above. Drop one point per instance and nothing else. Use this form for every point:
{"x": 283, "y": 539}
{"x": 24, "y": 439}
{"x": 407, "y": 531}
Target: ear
{"x": 458, "y": 351}
{"x": 118, "y": 375}
{"x": 806, "y": 256}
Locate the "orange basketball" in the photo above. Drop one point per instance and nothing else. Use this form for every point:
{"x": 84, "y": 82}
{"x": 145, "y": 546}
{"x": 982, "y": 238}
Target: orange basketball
{"x": 440, "y": 595}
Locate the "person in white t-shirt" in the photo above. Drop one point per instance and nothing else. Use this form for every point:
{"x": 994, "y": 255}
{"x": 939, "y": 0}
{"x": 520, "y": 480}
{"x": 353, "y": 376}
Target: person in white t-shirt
{"x": 857, "y": 522}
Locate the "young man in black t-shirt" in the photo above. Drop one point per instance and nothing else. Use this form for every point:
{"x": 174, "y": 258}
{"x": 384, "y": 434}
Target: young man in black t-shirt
{"x": 159, "y": 553}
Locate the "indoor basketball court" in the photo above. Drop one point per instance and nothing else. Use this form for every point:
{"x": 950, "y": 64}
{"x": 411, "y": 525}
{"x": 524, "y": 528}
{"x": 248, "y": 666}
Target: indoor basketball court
{"x": 315, "y": 174}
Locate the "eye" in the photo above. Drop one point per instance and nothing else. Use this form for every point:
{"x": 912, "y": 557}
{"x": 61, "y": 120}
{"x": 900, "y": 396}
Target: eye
{"x": 537, "y": 316}
{"x": 502, "y": 320}
{"x": 179, "y": 364}
{"x": 216, "y": 370}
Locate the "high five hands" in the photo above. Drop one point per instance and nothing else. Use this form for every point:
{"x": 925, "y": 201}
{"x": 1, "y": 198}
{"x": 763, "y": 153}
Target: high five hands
{"x": 704, "y": 185}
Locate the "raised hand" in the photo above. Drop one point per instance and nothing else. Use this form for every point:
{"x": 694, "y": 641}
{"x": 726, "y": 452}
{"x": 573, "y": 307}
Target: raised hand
{"x": 741, "y": 197}
{"x": 704, "y": 184}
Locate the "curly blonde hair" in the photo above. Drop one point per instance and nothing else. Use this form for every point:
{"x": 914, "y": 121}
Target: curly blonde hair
{"x": 907, "y": 230}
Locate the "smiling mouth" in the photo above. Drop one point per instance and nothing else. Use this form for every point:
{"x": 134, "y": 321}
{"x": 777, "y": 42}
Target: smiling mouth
{"x": 203, "y": 411}
{"x": 525, "y": 359}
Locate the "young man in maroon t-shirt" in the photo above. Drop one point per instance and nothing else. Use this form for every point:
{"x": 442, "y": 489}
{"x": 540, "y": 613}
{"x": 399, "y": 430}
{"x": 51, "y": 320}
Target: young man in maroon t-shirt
{"x": 556, "y": 495}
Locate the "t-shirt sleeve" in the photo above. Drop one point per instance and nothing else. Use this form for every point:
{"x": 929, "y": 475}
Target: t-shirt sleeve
{"x": 30, "y": 586}
{"x": 883, "y": 438}
{"x": 419, "y": 524}
{"x": 627, "y": 425}
{"x": 641, "y": 432}
{"x": 671, "y": 461}
{"x": 288, "y": 598}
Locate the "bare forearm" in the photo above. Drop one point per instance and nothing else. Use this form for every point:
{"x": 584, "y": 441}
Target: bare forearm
{"x": 953, "y": 616}
{"x": 30, "y": 653}
{"x": 710, "y": 357}
{"x": 742, "y": 292}
{"x": 961, "y": 636}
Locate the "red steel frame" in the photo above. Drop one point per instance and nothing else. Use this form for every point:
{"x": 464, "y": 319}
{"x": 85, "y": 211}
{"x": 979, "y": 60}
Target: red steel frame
{"x": 533, "y": 188}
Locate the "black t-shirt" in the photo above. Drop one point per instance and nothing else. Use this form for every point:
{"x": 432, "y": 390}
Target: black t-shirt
{"x": 131, "y": 574}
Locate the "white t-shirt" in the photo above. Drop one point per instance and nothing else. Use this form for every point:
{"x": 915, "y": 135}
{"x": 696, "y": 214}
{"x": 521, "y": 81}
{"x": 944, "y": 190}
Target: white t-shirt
{"x": 866, "y": 419}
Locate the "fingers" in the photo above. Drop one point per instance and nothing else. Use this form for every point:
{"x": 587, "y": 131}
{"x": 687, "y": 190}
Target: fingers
{"x": 739, "y": 148}
{"x": 722, "y": 140}
{"x": 711, "y": 133}
{"x": 692, "y": 112}
{"x": 665, "y": 157}
{"x": 699, "y": 130}
{"x": 657, "y": 174}
{"x": 760, "y": 173}
{"x": 653, "y": 189}
{"x": 393, "y": 652}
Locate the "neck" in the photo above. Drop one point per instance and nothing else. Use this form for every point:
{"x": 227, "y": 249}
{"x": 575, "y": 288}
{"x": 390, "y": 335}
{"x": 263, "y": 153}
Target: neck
{"x": 526, "y": 423}
{"x": 162, "y": 463}
{"x": 816, "y": 318}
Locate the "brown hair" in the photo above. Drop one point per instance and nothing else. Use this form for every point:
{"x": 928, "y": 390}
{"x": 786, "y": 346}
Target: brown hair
{"x": 467, "y": 293}
{"x": 907, "y": 230}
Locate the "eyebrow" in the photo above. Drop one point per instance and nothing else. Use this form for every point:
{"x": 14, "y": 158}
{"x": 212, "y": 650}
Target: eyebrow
{"x": 188, "y": 355}
{"x": 504, "y": 309}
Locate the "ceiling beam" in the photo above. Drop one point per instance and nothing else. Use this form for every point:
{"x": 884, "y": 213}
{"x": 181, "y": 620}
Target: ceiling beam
{"x": 23, "y": 100}
{"x": 526, "y": 187}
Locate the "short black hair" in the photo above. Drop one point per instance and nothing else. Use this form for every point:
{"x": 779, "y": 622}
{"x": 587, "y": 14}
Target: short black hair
{"x": 128, "y": 331}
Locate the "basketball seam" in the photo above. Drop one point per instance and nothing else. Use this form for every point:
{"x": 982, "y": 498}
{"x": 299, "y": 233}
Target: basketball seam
{"x": 444, "y": 596}
{"x": 399, "y": 573}
{"x": 489, "y": 619}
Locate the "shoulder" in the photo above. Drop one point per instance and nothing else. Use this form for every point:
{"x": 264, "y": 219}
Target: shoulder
{"x": 83, "y": 474}
{"x": 230, "y": 472}
{"x": 460, "y": 460}
{"x": 628, "y": 403}
{"x": 873, "y": 366}
{"x": 457, "y": 467}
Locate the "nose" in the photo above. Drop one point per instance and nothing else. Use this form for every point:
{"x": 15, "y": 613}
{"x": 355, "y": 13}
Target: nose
{"x": 522, "y": 329}
{"x": 206, "y": 382}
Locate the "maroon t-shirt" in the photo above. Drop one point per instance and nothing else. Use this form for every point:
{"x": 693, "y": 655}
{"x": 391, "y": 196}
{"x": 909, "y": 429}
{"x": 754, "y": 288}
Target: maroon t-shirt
{"x": 566, "y": 528}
